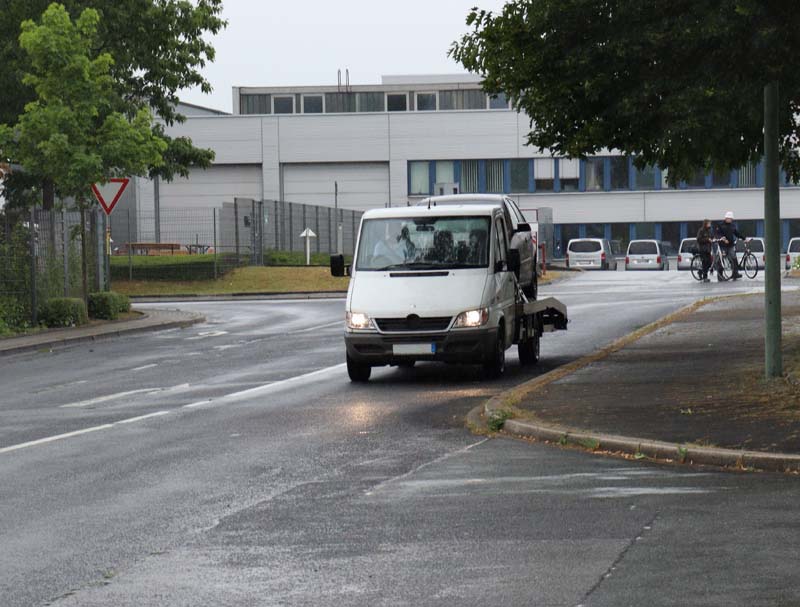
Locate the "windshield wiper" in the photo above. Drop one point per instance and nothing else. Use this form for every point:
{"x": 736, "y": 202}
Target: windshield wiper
{"x": 417, "y": 265}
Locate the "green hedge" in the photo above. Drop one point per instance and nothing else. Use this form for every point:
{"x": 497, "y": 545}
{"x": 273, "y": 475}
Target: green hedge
{"x": 298, "y": 258}
{"x": 173, "y": 267}
{"x": 63, "y": 312}
{"x": 108, "y": 305}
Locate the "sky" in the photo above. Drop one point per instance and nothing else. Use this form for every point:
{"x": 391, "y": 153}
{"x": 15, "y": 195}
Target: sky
{"x": 305, "y": 42}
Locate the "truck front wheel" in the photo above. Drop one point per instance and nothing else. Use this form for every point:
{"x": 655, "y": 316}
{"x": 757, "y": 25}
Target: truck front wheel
{"x": 358, "y": 372}
{"x": 495, "y": 365}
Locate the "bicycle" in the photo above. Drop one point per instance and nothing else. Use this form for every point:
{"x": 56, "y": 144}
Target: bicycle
{"x": 719, "y": 263}
{"x": 749, "y": 263}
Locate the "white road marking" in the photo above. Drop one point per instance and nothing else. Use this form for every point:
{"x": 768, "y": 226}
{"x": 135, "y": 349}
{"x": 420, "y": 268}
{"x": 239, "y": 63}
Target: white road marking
{"x": 309, "y": 329}
{"x": 205, "y": 334}
{"x": 50, "y": 439}
{"x": 143, "y": 367}
{"x": 109, "y": 397}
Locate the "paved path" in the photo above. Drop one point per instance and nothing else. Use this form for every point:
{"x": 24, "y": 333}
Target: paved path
{"x": 232, "y": 463}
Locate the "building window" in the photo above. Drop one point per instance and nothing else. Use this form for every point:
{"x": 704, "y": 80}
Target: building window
{"x": 520, "y": 175}
{"x": 426, "y": 102}
{"x": 419, "y": 177}
{"x": 593, "y": 168}
{"x": 644, "y": 179}
{"x": 748, "y": 175}
{"x": 697, "y": 180}
{"x": 720, "y": 179}
{"x": 371, "y": 102}
{"x": 339, "y": 103}
{"x": 498, "y": 102}
{"x": 283, "y": 105}
{"x": 312, "y": 104}
{"x": 568, "y": 174}
{"x": 254, "y": 104}
{"x": 619, "y": 173}
{"x": 543, "y": 173}
{"x": 595, "y": 230}
{"x": 645, "y": 231}
{"x": 397, "y": 102}
{"x": 469, "y": 176}
{"x": 462, "y": 100}
{"x": 495, "y": 176}
{"x": 620, "y": 235}
{"x": 445, "y": 171}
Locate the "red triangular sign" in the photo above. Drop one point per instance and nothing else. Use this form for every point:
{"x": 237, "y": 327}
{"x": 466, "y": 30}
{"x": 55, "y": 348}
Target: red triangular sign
{"x": 108, "y": 194}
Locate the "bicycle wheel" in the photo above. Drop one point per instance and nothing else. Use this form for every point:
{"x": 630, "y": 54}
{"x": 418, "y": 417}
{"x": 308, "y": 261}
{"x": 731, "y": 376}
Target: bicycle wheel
{"x": 697, "y": 267}
{"x": 750, "y": 265}
{"x": 724, "y": 268}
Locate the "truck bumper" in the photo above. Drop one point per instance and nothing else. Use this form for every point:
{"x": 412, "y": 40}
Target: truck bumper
{"x": 466, "y": 346}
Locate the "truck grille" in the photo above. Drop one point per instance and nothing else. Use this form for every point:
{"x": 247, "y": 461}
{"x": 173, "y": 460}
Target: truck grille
{"x": 413, "y": 323}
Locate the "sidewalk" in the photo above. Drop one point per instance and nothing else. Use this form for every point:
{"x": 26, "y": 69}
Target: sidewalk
{"x": 152, "y": 320}
{"x": 697, "y": 381}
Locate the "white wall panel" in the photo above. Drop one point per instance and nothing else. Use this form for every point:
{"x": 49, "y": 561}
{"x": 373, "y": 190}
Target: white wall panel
{"x": 340, "y": 138}
{"x": 234, "y": 139}
{"x": 589, "y": 207}
{"x": 361, "y": 185}
{"x": 271, "y": 164}
{"x": 212, "y": 187}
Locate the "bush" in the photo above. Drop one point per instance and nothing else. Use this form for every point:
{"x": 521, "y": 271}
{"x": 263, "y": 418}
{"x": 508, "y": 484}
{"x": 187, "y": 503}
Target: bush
{"x": 108, "y": 305}
{"x": 63, "y": 312}
{"x": 14, "y": 315}
{"x": 172, "y": 267}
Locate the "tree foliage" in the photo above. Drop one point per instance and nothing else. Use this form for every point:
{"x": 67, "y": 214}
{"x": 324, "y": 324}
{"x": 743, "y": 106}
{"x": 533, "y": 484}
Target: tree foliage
{"x": 677, "y": 84}
{"x": 75, "y": 132}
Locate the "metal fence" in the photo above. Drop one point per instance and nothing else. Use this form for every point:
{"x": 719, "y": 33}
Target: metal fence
{"x": 195, "y": 244}
{"x": 40, "y": 258}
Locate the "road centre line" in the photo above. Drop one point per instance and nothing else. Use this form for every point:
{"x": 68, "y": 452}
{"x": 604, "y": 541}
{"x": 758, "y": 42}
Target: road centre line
{"x": 108, "y": 397}
{"x": 143, "y": 367}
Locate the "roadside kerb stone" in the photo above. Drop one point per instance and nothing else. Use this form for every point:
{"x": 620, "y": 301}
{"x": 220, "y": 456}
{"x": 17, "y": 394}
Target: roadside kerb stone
{"x": 239, "y": 296}
{"x": 624, "y": 445}
{"x": 152, "y": 320}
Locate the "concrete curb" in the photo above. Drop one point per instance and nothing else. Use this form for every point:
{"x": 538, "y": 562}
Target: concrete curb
{"x": 625, "y": 445}
{"x": 174, "y": 320}
{"x": 265, "y": 296}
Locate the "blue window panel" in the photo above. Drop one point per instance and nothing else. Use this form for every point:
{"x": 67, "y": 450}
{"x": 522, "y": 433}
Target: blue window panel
{"x": 582, "y": 230}
{"x": 457, "y": 171}
{"x": 760, "y": 228}
{"x": 557, "y": 241}
{"x": 557, "y": 179}
{"x": 734, "y": 178}
{"x": 658, "y": 178}
{"x": 606, "y": 174}
{"x": 632, "y": 231}
{"x": 482, "y": 176}
{"x": 582, "y": 176}
{"x": 507, "y": 176}
{"x": 432, "y": 177}
{"x": 607, "y": 231}
{"x": 785, "y": 234}
{"x": 709, "y": 181}
{"x": 783, "y": 180}
{"x": 684, "y": 228}
{"x": 760, "y": 175}
{"x": 658, "y": 231}
{"x": 531, "y": 176}
{"x": 631, "y": 174}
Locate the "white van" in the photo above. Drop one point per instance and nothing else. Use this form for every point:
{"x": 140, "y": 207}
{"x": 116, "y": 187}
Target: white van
{"x": 792, "y": 252}
{"x": 646, "y": 255}
{"x": 432, "y": 283}
{"x": 686, "y": 253}
{"x": 590, "y": 254}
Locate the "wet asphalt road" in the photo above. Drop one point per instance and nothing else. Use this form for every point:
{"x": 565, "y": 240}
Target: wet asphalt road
{"x": 233, "y": 463}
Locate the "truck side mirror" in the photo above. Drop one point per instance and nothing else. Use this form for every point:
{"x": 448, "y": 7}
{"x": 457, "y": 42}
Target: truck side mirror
{"x": 523, "y": 227}
{"x": 338, "y": 268}
{"x": 513, "y": 261}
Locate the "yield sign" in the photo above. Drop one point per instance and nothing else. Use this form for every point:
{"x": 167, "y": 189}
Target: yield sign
{"x": 108, "y": 194}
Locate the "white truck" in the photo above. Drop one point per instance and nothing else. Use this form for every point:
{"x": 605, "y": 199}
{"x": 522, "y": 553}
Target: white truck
{"x": 439, "y": 283}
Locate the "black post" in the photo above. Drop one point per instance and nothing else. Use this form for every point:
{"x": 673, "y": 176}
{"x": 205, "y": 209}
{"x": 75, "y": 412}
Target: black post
{"x": 130, "y": 251}
{"x": 32, "y": 230}
{"x": 236, "y": 230}
{"x": 214, "y": 219}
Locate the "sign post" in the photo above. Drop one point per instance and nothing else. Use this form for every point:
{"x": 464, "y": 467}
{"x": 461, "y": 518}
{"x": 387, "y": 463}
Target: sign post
{"x": 308, "y": 234}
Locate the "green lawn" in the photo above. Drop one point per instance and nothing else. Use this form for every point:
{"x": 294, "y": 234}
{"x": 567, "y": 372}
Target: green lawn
{"x": 251, "y": 279}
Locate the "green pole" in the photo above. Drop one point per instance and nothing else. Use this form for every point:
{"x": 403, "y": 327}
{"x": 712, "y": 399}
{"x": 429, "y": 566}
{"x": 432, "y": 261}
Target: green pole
{"x": 772, "y": 224}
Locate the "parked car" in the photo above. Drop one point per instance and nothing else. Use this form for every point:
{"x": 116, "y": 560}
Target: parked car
{"x": 646, "y": 255}
{"x": 756, "y": 248}
{"x": 522, "y": 236}
{"x": 590, "y": 254}
{"x": 686, "y": 252}
{"x": 792, "y": 252}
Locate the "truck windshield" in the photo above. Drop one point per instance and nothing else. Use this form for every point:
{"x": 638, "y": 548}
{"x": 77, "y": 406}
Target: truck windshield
{"x": 424, "y": 243}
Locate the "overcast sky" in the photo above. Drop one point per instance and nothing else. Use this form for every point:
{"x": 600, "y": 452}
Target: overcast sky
{"x": 304, "y": 42}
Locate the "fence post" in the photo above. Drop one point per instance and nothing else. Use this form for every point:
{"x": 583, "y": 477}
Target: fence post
{"x": 32, "y": 230}
{"x": 65, "y": 249}
{"x": 130, "y": 250}
{"x": 275, "y": 220}
{"x": 236, "y": 228}
{"x": 353, "y": 231}
{"x": 316, "y": 226}
{"x": 291, "y": 232}
{"x": 214, "y": 219}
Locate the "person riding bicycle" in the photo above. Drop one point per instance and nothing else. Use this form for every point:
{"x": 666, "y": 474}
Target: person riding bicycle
{"x": 727, "y": 233}
{"x": 704, "y": 236}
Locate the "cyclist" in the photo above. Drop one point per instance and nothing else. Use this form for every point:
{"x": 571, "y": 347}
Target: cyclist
{"x": 704, "y": 236}
{"x": 727, "y": 233}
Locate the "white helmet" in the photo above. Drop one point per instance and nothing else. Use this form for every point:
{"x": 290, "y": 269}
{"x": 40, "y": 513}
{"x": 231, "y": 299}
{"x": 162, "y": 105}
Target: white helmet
{"x": 729, "y": 215}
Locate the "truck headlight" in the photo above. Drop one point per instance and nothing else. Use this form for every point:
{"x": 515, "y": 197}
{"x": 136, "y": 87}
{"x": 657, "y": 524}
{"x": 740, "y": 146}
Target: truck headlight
{"x": 358, "y": 321}
{"x": 472, "y": 318}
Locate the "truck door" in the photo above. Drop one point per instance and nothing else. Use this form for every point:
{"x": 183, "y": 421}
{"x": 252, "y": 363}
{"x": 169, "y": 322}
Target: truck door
{"x": 505, "y": 288}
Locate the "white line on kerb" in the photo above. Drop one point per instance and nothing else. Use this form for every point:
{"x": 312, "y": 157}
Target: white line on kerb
{"x": 50, "y": 439}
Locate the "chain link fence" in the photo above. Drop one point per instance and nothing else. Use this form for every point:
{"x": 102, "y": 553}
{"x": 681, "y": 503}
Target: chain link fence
{"x": 206, "y": 243}
{"x": 40, "y": 258}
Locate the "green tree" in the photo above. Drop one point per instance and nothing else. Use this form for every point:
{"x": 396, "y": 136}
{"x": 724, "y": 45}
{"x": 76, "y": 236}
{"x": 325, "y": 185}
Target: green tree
{"x": 678, "y": 84}
{"x": 75, "y": 132}
{"x": 158, "y": 48}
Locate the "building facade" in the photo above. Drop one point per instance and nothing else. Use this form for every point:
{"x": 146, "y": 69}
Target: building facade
{"x": 392, "y": 144}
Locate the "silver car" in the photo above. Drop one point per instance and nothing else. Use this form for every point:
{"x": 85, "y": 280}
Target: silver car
{"x": 686, "y": 252}
{"x": 792, "y": 253}
{"x": 646, "y": 255}
{"x": 590, "y": 254}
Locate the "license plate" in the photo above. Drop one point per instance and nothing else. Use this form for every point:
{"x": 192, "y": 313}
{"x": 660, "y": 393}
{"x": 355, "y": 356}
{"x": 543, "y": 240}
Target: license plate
{"x": 404, "y": 349}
